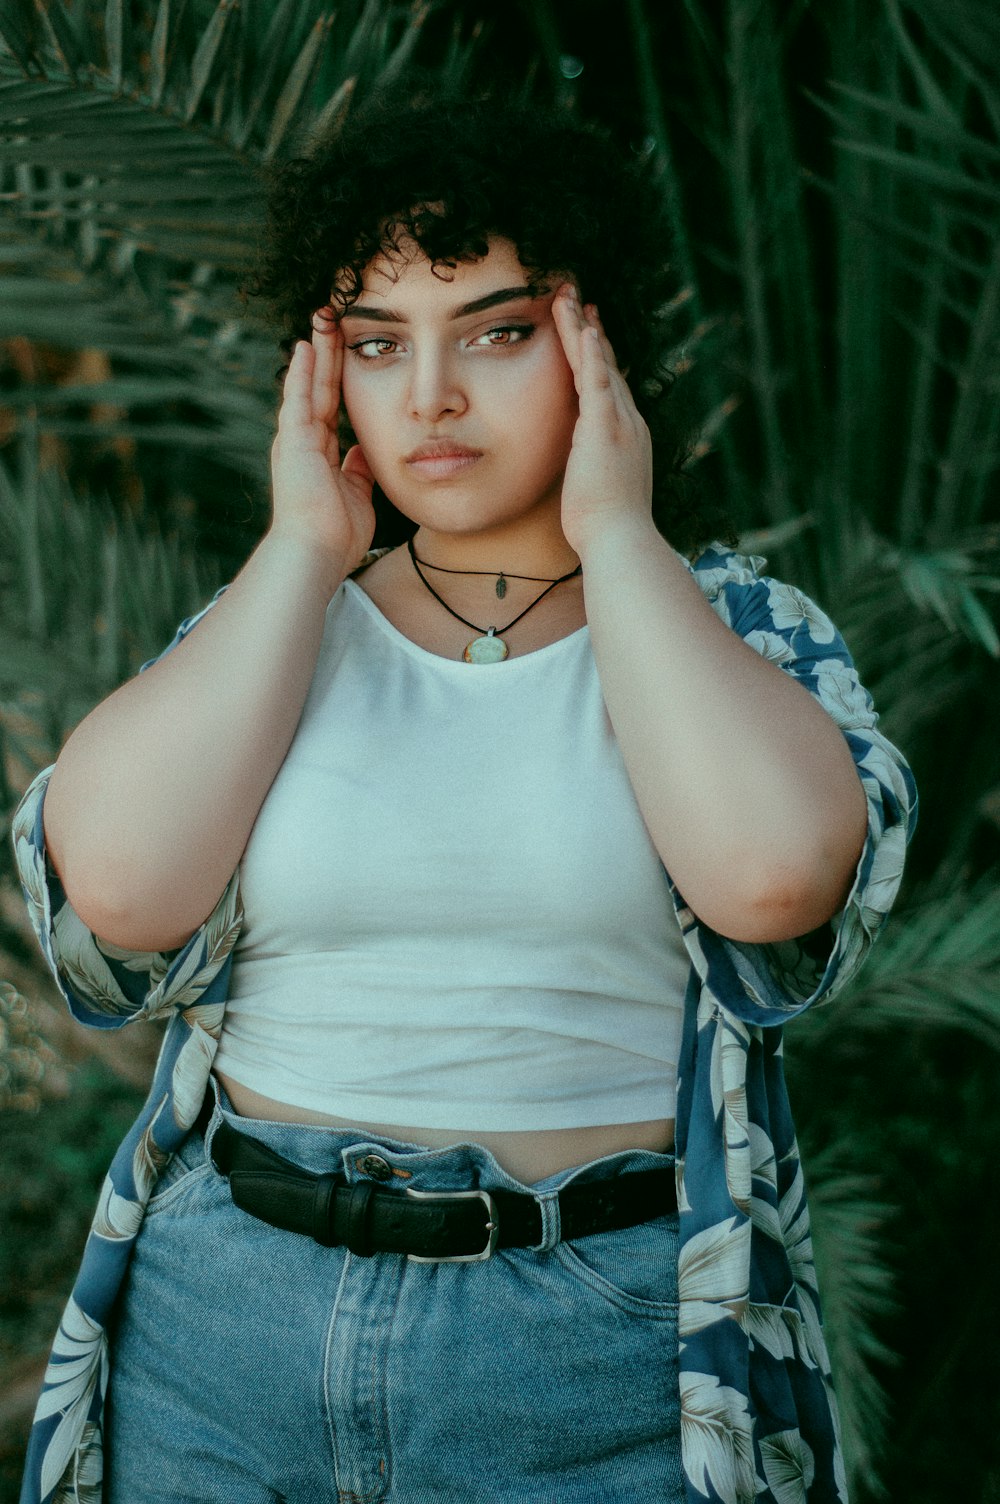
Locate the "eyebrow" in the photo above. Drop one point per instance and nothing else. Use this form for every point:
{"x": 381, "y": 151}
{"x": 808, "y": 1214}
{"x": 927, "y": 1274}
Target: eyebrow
{"x": 478, "y": 305}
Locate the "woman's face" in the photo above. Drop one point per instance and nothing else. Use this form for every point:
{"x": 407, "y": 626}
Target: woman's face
{"x": 458, "y": 390}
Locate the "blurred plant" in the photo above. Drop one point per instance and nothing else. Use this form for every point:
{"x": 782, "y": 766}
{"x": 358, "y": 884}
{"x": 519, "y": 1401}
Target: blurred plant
{"x": 933, "y": 977}
{"x": 53, "y": 1163}
{"x": 85, "y": 597}
{"x": 24, "y": 1054}
{"x": 131, "y": 142}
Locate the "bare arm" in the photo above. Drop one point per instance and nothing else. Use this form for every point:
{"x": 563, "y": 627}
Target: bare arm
{"x": 155, "y": 793}
{"x": 745, "y": 783}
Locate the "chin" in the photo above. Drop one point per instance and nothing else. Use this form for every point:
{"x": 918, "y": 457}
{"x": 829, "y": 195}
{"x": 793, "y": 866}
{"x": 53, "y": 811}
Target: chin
{"x": 444, "y": 509}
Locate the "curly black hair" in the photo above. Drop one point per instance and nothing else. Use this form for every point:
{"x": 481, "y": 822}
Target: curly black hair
{"x": 449, "y": 173}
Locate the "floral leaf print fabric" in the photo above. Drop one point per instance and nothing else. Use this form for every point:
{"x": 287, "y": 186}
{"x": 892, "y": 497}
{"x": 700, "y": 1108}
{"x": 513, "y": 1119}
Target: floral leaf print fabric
{"x": 788, "y": 1467}
{"x": 759, "y": 1417}
{"x": 77, "y": 1371}
{"x": 716, "y": 1435}
{"x": 713, "y": 1267}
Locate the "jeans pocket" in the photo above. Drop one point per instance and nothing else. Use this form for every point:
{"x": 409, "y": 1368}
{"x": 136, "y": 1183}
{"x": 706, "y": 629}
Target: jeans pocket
{"x": 633, "y": 1267}
{"x": 187, "y": 1166}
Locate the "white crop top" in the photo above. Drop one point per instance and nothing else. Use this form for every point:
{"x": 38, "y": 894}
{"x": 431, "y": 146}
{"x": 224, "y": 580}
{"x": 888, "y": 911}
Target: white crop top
{"x": 455, "y": 917}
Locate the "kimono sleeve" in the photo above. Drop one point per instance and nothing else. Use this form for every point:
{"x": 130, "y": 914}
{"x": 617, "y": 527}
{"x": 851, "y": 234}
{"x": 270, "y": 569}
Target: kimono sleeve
{"x": 103, "y": 984}
{"x": 786, "y": 627}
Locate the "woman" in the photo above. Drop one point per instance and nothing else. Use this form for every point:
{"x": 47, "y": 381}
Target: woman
{"x": 483, "y": 1079}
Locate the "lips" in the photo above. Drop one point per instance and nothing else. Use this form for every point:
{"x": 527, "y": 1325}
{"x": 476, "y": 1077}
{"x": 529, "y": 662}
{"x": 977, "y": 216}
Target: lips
{"x": 438, "y": 458}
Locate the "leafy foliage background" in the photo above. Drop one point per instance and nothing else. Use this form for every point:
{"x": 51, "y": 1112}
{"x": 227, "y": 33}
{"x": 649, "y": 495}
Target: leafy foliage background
{"x": 833, "y": 177}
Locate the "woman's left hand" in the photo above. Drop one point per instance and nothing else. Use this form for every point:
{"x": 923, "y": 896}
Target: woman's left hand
{"x": 609, "y": 474}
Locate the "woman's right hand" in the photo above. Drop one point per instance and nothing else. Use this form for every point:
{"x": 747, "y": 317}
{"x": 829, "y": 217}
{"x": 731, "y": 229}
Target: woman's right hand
{"x": 317, "y": 498}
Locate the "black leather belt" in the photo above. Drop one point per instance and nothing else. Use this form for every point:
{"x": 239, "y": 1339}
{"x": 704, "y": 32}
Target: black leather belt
{"x": 428, "y": 1226}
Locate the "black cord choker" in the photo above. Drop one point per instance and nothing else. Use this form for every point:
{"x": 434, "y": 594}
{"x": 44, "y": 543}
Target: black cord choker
{"x": 489, "y": 647}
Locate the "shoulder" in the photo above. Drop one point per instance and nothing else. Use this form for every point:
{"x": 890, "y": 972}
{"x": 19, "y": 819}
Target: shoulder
{"x": 752, "y": 601}
{"x": 369, "y": 559}
{"x": 731, "y": 581}
{"x": 715, "y": 567}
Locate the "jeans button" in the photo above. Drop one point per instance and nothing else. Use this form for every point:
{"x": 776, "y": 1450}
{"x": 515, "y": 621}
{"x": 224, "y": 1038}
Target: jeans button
{"x": 375, "y": 1166}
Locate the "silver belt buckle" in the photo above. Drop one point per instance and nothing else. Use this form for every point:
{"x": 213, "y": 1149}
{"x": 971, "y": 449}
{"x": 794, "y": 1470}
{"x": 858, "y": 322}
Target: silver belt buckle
{"x": 492, "y": 1226}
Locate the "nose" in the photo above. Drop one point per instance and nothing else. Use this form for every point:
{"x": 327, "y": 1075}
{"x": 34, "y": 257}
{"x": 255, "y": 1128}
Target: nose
{"x": 435, "y": 389}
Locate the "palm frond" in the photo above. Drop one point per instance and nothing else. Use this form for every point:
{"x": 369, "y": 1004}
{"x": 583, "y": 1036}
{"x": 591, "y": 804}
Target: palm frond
{"x": 85, "y": 597}
{"x": 947, "y": 582}
{"x": 934, "y": 973}
{"x": 937, "y": 967}
{"x": 854, "y": 1230}
{"x": 122, "y": 182}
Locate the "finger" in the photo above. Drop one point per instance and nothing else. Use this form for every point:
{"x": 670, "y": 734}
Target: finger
{"x": 584, "y": 314}
{"x": 328, "y": 344}
{"x": 597, "y": 373}
{"x": 296, "y": 394}
{"x": 338, "y": 372}
{"x": 569, "y": 323}
{"x": 621, "y": 388}
{"x": 337, "y": 394}
{"x": 324, "y": 318}
{"x": 593, "y": 319}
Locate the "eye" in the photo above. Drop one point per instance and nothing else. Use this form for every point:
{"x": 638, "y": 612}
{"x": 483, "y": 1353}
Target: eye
{"x": 364, "y": 352}
{"x": 507, "y": 334}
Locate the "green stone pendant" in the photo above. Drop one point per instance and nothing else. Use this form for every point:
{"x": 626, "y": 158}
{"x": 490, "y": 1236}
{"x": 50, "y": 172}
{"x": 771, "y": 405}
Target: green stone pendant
{"x": 488, "y": 649}
{"x": 501, "y": 587}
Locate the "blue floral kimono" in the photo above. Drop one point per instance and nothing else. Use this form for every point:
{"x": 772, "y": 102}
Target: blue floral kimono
{"x": 759, "y": 1418}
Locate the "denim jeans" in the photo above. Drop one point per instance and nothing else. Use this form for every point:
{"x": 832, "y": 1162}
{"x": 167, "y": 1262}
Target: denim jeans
{"x": 250, "y": 1365}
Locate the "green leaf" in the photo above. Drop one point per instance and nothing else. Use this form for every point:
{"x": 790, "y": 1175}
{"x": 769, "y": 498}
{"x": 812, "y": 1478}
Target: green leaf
{"x": 205, "y": 55}
{"x": 158, "y": 53}
{"x": 291, "y": 94}
{"x": 979, "y": 623}
{"x": 144, "y": 391}
{"x": 278, "y": 31}
{"x": 63, "y": 35}
{"x": 402, "y": 54}
{"x": 114, "y": 36}
{"x": 945, "y": 128}
{"x": 922, "y": 170}
{"x": 20, "y": 100}
{"x": 20, "y": 41}
{"x": 335, "y": 108}
{"x": 360, "y": 47}
{"x": 155, "y": 188}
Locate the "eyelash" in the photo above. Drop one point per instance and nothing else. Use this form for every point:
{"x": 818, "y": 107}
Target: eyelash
{"x": 523, "y": 331}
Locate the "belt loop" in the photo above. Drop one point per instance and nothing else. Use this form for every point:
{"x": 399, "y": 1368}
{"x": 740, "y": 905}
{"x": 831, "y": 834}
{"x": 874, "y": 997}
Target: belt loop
{"x": 209, "y": 1118}
{"x": 548, "y": 1205}
{"x": 324, "y": 1202}
{"x": 353, "y": 1205}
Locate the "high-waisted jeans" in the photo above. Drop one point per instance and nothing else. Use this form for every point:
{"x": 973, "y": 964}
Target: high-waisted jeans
{"x": 250, "y": 1365}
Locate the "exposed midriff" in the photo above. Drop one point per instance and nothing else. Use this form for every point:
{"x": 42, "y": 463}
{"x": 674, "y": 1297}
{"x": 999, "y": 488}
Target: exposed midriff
{"x": 529, "y": 1155}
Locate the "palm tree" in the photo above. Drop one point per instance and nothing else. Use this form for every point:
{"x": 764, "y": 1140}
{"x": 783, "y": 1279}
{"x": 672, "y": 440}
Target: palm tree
{"x": 832, "y": 176}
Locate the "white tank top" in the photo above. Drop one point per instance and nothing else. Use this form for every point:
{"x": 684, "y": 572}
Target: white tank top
{"x": 455, "y": 917}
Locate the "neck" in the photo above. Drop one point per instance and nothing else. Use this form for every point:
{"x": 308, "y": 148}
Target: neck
{"x": 545, "y": 556}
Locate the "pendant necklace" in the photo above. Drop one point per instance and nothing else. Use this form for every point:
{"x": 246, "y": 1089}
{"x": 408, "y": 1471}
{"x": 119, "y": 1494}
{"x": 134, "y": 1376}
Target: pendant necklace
{"x": 489, "y": 646}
